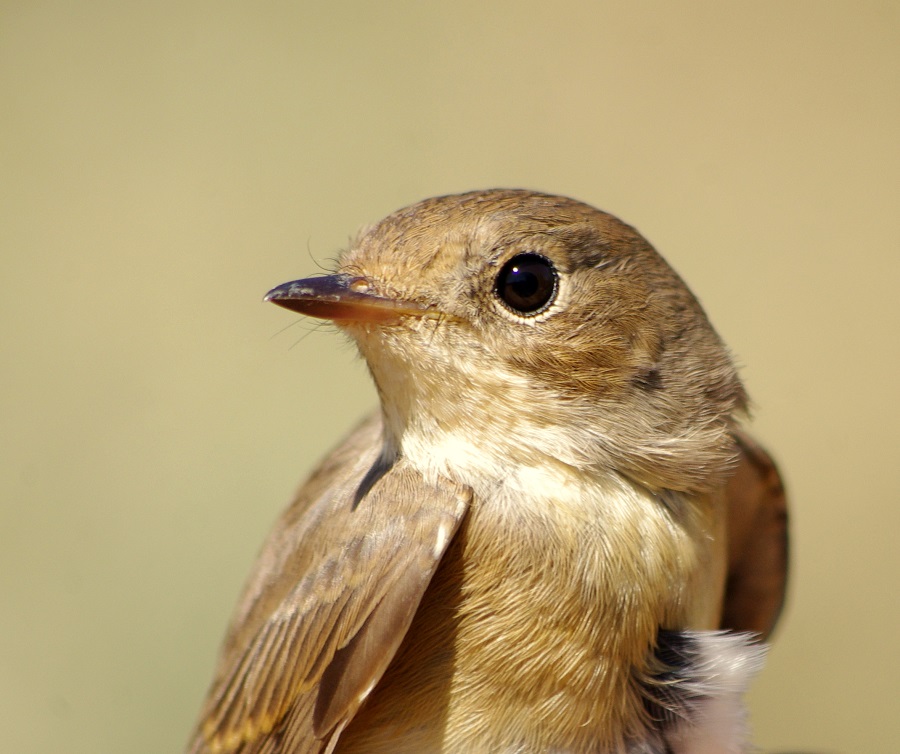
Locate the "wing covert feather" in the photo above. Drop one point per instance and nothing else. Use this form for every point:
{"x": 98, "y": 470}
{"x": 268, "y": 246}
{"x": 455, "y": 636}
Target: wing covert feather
{"x": 328, "y": 604}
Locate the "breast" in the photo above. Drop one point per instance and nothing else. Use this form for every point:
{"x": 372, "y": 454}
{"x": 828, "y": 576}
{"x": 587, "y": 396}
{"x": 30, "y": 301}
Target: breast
{"x": 542, "y": 611}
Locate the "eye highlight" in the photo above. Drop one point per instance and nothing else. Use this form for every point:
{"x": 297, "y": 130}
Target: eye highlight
{"x": 527, "y": 284}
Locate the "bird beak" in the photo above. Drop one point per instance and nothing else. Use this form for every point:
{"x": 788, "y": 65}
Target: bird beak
{"x": 341, "y": 298}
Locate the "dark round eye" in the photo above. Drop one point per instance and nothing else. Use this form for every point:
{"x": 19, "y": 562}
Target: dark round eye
{"x": 527, "y": 283}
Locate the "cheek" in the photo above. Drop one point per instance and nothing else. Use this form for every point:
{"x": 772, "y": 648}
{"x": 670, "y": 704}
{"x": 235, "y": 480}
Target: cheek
{"x": 598, "y": 354}
{"x": 576, "y": 365}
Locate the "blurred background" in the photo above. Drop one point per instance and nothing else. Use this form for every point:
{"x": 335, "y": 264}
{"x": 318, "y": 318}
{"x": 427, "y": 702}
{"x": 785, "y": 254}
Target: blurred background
{"x": 165, "y": 164}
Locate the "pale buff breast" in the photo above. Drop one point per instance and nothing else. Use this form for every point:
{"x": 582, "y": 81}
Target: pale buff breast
{"x": 541, "y": 613}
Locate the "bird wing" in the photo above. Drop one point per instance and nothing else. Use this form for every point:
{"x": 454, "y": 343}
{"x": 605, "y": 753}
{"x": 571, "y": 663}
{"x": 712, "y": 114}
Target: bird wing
{"x": 757, "y": 541}
{"x": 332, "y": 595}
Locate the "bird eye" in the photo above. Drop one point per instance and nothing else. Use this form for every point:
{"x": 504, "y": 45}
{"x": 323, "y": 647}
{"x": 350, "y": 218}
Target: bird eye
{"x": 527, "y": 284}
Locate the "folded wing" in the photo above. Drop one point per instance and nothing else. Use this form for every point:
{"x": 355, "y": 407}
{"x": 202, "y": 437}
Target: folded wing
{"x": 332, "y": 595}
{"x": 757, "y": 542}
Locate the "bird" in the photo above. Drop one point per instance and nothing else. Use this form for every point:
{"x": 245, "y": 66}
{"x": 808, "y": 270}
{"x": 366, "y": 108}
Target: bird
{"x": 554, "y": 535}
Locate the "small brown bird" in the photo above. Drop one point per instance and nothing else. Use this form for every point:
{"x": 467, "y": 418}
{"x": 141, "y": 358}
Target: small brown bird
{"x": 536, "y": 543}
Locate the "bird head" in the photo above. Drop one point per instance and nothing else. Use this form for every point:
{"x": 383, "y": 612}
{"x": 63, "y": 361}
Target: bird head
{"x": 502, "y": 324}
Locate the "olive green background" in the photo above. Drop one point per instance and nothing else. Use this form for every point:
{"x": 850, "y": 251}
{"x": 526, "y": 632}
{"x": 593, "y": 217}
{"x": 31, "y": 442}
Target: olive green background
{"x": 164, "y": 164}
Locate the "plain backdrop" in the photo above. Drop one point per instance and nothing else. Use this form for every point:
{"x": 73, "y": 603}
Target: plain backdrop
{"x": 164, "y": 164}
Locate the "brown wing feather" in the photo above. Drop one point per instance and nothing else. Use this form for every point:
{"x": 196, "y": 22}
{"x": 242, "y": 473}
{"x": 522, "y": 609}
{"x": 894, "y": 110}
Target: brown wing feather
{"x": 333, "y": 593}
{"x": 757, "y": 542}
